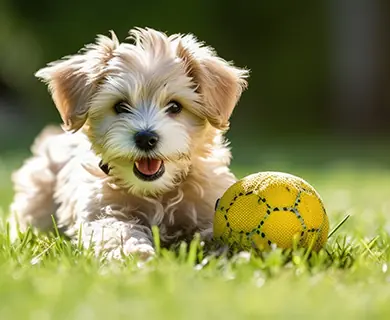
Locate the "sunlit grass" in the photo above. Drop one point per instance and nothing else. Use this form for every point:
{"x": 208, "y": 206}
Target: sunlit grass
{"x": 45, "y": 277}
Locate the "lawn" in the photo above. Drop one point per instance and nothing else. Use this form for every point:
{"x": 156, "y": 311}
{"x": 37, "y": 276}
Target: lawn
{"x": 45, "y": 278}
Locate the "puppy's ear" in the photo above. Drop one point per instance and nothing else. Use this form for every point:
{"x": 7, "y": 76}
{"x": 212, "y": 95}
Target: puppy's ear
{"x": 219, "y": 83}
{"x": 73, "y": 80}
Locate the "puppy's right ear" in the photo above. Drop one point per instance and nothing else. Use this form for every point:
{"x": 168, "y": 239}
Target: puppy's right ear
{"x": 73, "y": 80}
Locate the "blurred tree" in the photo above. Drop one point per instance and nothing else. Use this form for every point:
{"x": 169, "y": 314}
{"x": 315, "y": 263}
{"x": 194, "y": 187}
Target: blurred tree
{"x": 357, "y": 65}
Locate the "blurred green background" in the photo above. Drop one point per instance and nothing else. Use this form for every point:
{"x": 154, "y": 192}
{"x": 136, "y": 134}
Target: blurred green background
{"x": 320, "y": 70}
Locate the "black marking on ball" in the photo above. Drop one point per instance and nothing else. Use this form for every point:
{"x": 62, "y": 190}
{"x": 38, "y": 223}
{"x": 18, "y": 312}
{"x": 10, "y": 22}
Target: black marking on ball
{"x": 302, "y": 233}
{"x": 258, "y": 231}
{"x": 276, "y": 209}
{"x": 225, "y": 216}
{"x": 269, "y": 242}
{"x": 268, "y": 212}
{"x": 227, "y": 210}
{"x": 285, "y": 209}
{"x": 268, "y": 206}
{"x": 217, "y": 204}
{"x": 288, "y": 189}
{"x": 228, "y": 224}
{"x": 263, "y": 235}
{"x": 261, "y": 222}
{"x": 240, "y": 194}
{"x": 248, "y": 193}
{"x": 235, "y": 198}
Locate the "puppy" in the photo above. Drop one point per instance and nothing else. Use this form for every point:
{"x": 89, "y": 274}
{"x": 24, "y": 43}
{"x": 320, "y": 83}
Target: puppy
{"x": 142, "y": 143}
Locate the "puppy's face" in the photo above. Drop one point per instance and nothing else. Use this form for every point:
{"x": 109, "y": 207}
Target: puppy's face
{"x": 141, "y": 121}
{"x": 148, "y": 107}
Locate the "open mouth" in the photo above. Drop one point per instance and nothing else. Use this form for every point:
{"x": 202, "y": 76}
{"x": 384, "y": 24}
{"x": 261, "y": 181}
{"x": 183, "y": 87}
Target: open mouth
{"x": 148, "y": 169}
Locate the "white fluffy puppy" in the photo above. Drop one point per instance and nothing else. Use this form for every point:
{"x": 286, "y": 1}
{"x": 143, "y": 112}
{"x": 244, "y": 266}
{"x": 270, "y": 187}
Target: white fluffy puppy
{"x": 143, "y": 143}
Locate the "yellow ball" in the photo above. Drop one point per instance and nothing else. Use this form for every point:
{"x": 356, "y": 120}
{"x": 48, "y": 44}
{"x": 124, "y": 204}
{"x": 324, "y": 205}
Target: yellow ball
{"x": 271, "y": 208}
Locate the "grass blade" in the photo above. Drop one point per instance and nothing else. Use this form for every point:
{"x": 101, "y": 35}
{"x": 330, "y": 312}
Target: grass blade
{"x": 156, "y": 239}
{"x": 338, "y": 226}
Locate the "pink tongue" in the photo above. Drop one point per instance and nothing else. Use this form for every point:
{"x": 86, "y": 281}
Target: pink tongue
{"x": 148, "y": 166}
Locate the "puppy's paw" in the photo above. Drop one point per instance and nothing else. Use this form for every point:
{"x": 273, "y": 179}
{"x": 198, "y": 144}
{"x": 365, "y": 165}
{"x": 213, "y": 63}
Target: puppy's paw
{"x": 206, "y": 235}
{"x": 139, "y": 249}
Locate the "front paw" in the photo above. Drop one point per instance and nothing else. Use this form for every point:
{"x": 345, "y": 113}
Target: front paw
{"x": 139, "y": 249}
{"x": 207, "y": 235}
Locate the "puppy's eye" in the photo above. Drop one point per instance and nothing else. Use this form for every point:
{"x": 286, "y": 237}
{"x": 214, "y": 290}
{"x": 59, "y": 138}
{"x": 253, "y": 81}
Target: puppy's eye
{"x": 174, "y": 107}
{"x": 122, "y": 107}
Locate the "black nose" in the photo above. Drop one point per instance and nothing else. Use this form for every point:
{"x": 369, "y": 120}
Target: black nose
{"x": 146, "y": 140}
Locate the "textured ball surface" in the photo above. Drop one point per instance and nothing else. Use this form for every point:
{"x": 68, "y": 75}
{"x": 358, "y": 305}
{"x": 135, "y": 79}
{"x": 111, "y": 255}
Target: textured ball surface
{"x": 271, "y": 208}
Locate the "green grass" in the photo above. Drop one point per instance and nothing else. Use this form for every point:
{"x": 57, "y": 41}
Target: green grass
{"x": 46, "y": 278}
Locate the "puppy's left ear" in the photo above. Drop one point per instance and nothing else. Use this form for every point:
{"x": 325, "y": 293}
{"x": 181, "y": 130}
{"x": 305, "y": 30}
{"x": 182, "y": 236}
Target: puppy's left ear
{"x": 219, "y": 82}
{"x": 73, "y": 80}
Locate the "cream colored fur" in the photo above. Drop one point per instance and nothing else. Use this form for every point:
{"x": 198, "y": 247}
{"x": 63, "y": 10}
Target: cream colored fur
{"x": 115, "y": 212}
